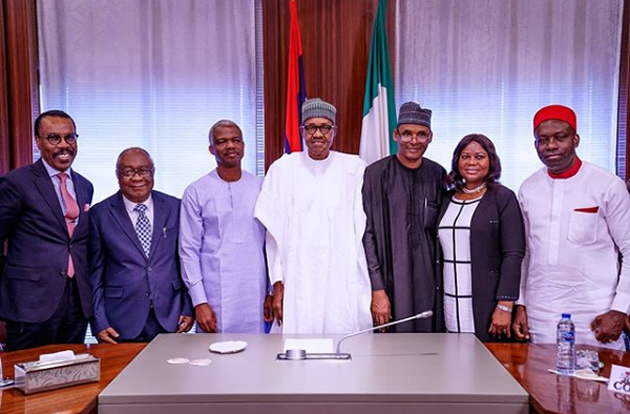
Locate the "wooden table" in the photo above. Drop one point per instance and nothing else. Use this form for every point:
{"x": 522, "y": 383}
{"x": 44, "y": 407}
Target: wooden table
{"x": 77, "y": 399}
{"x": 527, "y": 363}
{"x": 550, "y": 393}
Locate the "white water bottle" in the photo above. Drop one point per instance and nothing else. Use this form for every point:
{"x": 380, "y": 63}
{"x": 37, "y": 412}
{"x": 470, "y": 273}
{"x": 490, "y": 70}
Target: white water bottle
{"x": 565, "y": 340}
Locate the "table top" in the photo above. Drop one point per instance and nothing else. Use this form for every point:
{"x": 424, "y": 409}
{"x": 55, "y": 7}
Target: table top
{"x": 76, "y": 399}
{"x": 414, "y": 368}
{"x": 550, "y": 393}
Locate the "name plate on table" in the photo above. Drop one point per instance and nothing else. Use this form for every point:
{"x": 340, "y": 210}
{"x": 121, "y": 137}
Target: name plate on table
{"x": 36, "y": 376}
{"x": 619, "y": 379}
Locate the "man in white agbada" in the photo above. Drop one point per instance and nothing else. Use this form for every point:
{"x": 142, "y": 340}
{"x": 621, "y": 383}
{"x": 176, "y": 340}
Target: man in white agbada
{"x": 312, "y": 208}
{"x": 577, "y": 220}
{"x": 221, "y": 244}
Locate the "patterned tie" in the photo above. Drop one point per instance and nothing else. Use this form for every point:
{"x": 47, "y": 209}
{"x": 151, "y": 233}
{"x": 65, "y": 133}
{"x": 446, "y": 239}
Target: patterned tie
{"x": 72, "y": 212}
{"x": 143, "y": 228}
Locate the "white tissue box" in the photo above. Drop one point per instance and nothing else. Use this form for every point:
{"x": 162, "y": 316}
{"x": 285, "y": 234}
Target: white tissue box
{"x": 36, "y": 376}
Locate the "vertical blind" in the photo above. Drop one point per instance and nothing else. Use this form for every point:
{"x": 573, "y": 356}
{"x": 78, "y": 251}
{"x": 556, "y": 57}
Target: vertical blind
{"x": 155, "y": 74}
{"x": 486, "y": 66}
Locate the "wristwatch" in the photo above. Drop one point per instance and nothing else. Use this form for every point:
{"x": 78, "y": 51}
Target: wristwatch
{"x": 504, "y": 308}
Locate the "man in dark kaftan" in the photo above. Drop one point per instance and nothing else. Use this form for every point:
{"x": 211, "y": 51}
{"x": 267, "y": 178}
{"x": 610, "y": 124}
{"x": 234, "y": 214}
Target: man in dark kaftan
{"x": 401, "y": 197}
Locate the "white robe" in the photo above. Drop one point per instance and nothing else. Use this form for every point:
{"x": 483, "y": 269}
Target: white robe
{"x": 571, "y": 263}
{"x": 221, "y": 250}
{"x": 315, "y": 221}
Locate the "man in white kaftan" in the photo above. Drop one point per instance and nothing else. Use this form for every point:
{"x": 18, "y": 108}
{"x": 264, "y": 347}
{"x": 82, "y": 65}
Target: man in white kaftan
{"x": 221, "y": 244}
{"x": 577, "y": 218}
{"x": 312, "y": 208}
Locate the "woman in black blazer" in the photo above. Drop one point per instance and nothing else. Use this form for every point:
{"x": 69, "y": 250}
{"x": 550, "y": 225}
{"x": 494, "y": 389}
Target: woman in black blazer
{"x": 482, "y": 238}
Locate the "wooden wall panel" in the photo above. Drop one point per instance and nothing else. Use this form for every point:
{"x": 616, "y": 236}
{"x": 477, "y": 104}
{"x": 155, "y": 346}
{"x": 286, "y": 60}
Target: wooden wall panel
{"x": 18, "y": 87}
{"x": 336, "y": 36}
{"x": 20, "y": 92}
{"x": 4, "y": 136}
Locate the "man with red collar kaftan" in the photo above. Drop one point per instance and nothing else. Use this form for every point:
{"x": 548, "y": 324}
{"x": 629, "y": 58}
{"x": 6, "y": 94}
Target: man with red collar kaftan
{"x": 577, "y": 219}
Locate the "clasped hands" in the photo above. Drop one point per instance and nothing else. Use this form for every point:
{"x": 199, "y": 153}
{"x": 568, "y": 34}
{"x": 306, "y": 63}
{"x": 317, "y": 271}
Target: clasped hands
{"x": 109, "y": 335}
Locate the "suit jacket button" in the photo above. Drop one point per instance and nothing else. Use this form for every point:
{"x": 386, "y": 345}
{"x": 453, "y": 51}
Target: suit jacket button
{"x": 149, "y": 269}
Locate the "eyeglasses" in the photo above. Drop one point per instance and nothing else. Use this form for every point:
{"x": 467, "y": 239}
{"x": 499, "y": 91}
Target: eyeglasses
{"x": 311, "y": 129}
{"x": 55, "y": 139}
{"x": 407, "y": 136}
{"x": 130, "y": 172}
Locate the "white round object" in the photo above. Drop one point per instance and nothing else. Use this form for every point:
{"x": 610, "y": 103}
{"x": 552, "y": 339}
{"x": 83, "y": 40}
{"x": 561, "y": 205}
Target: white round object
{"x": 203, "y": 362}
{"x": 228, "y": 347}
{"x": 177, "y": 361}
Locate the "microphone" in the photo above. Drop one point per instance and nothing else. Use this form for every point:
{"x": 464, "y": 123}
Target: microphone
{"x": 300, "y": 354}
{"x": 422, "y": 315}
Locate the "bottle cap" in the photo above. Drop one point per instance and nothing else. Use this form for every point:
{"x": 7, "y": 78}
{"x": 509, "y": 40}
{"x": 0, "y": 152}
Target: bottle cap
{"x": 566, "y": 316}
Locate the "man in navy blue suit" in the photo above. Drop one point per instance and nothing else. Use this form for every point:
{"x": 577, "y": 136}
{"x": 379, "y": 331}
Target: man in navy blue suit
{"x": 137, "y": 288}
{"x": 44, "y": 285}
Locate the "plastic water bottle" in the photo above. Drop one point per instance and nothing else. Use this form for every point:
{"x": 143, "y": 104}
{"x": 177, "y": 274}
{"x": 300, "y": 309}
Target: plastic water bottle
{"x": 565, "y": 339}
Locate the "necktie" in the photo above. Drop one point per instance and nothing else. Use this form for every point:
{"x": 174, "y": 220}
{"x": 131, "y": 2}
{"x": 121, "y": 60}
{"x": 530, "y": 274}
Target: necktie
{"x": 143, "y": 228}
{"x": 72, "y": 212}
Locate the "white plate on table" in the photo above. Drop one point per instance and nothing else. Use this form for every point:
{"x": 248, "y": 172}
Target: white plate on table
{"x": 228, "y": 347}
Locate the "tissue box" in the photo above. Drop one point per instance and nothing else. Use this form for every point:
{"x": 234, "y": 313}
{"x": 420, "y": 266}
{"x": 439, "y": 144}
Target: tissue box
{"x": 36, "y": 376}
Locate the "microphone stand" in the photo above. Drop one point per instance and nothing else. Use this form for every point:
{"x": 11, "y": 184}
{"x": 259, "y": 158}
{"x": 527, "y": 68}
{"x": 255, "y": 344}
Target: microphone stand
{"x": 300, "y": 354}
{"x": 422, "y": 315}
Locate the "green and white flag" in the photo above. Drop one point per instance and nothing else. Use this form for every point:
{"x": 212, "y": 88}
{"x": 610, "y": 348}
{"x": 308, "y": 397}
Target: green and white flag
{"x": 379, "y": 107}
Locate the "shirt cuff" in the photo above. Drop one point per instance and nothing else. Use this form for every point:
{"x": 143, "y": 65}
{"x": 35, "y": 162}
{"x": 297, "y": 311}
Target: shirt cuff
{"x": 377, "y": 282}
{"x": 521, "y": 298}
{"x": 197, "y": 294}
{"x": 621, "y": 302}
{"x": 275, "y": 277}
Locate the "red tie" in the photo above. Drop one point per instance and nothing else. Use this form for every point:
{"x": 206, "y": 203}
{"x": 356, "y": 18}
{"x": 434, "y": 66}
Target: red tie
{"x": 72, "y": 212}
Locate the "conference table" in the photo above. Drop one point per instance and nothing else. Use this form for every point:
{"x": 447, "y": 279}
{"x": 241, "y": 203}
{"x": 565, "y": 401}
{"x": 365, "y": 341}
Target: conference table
{"x": 527, "y": 364}
{"x": 397, "y": 373}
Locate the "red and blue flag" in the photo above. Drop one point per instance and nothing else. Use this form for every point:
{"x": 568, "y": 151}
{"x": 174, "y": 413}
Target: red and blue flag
{"x": 296, "y": 91}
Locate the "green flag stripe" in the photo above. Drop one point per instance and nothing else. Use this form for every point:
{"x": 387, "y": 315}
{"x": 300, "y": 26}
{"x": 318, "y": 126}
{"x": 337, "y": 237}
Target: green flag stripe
{"x": 380, "y": 71}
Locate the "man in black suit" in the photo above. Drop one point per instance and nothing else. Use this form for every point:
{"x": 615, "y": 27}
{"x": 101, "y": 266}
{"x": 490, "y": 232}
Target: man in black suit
{"x": 44, "y": 285}
{"x": 138, "y": 291}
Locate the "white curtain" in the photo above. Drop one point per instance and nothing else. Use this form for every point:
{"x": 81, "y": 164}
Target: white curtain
{"x": 486, "y": 66}
{"x": 150, "y": 73}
